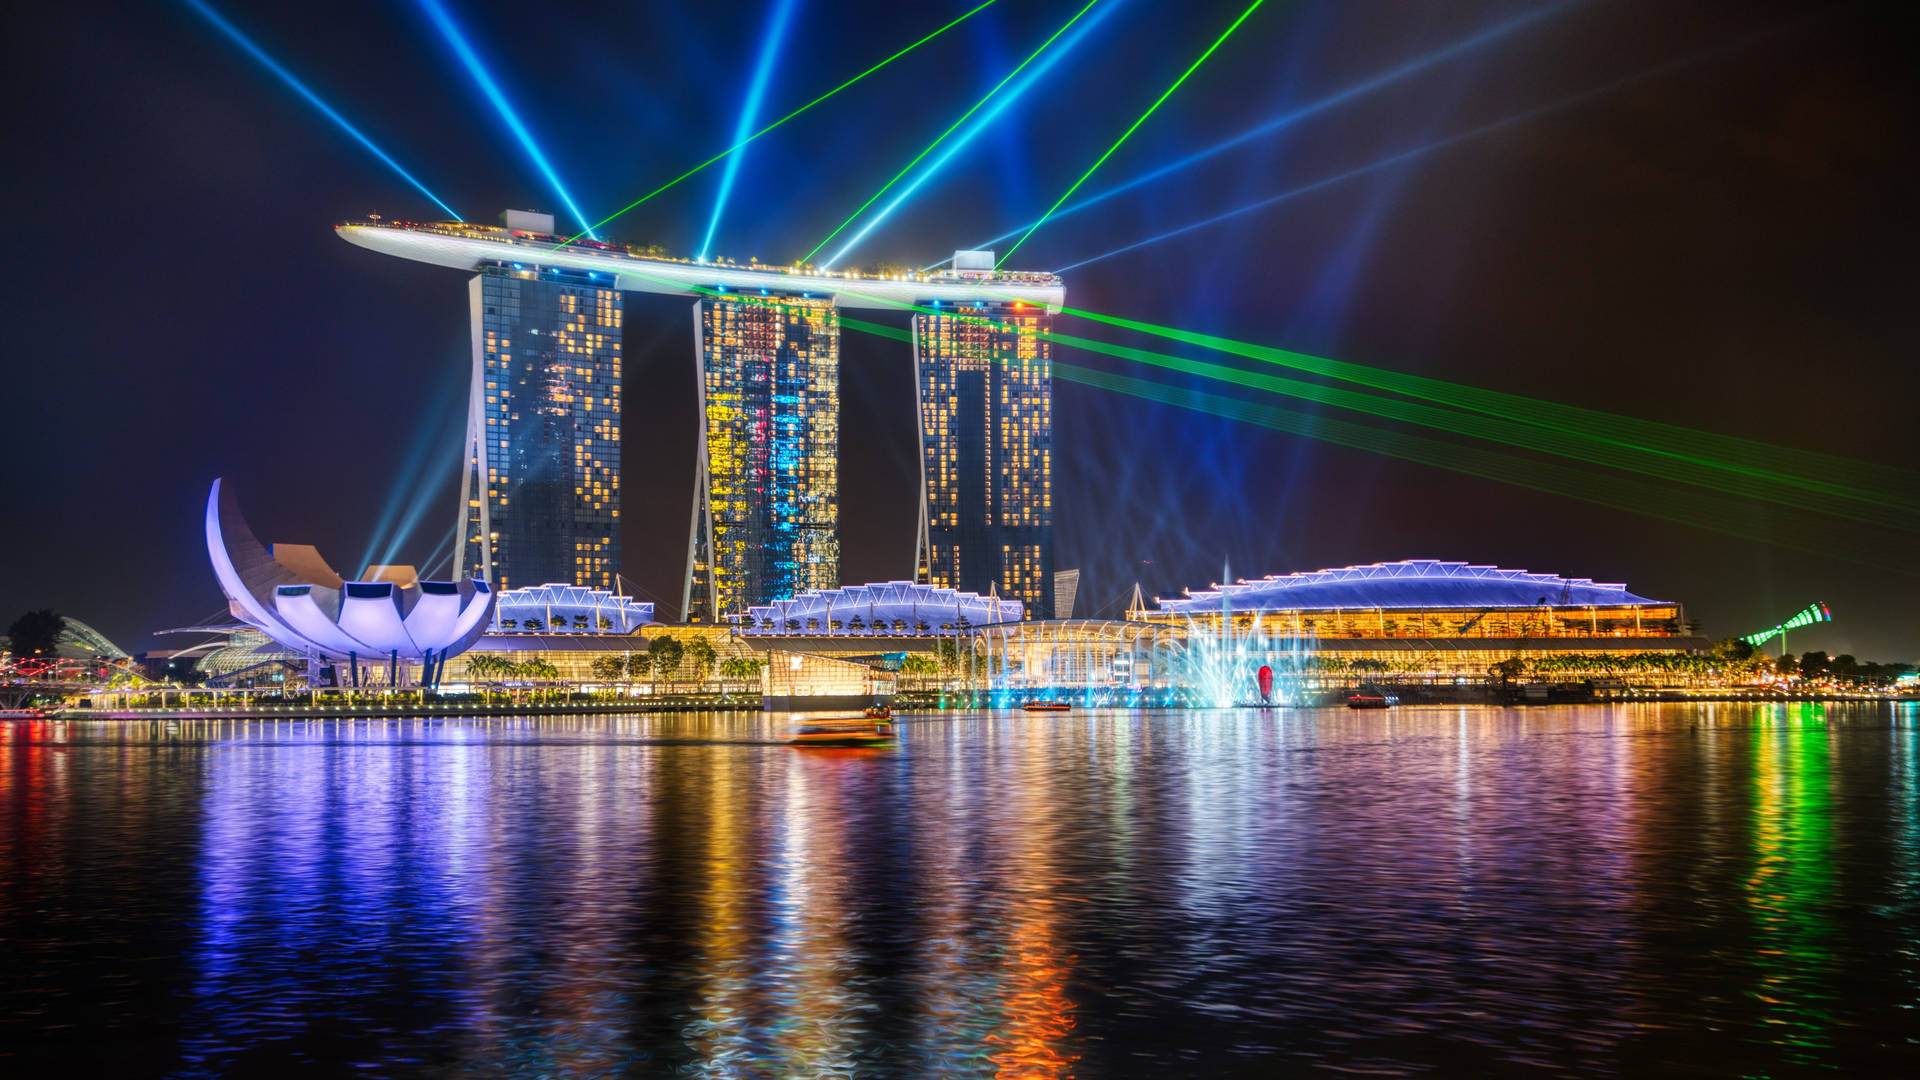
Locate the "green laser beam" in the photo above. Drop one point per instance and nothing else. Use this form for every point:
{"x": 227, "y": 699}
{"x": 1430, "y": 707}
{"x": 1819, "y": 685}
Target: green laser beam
{"x": 669, "y": 185}
{"x": 1524, "y": 436}
{"x": 1710, "y": 512}
{"x": 1841, "y": 477}
{"x": 1135, "y": 126}
{"x": 1489, "y": 429}
{"x": 1702, "y": 511}
{"x": 1545, "y": 440}
{"x": 1811, "y": 470}
{"x": 884, "y": 188}
{"x": 1901, "y": 510}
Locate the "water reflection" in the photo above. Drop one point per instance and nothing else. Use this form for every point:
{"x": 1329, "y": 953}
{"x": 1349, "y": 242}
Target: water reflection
{"x": 1793, "y": 878}
{"x": 1624, "y": 889}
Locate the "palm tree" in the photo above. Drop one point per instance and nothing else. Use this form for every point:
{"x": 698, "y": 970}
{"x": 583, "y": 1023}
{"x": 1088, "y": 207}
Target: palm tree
{"x": 740, "y": 668}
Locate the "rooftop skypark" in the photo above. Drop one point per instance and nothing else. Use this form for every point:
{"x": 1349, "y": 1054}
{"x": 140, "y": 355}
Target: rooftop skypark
{"x": 462, "y": 245}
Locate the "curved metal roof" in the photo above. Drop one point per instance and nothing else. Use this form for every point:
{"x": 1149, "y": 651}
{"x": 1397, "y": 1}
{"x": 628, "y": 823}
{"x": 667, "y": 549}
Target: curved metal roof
{"x": 558, "y": 604}
{"x": 1410, "y": 583}
{"x": 359, "y": 618}
{"x": 882, "y": 603}
{"x": 78, "y": 641}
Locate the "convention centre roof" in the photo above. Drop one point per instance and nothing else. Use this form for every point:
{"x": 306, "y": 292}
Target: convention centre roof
{"x": 1410, "y": 584}
{"x": 557, "y": 606}
{"x": 877, "y": 608}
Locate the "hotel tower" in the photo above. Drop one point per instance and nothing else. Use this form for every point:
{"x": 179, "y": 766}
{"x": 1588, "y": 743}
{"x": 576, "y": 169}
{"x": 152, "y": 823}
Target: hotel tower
{"x": 540, "y": 490}
{"x": 766, "y": 509}
{"x": 984, "y": 383}
{"x": 540, "y": 494}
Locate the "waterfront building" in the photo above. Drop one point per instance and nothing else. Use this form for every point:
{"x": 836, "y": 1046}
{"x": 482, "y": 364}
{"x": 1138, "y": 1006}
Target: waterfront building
{"x": 881, "y": 609}
{"x": 984, "y": 386}
{"x": 766, "y": 512}
{"x": 561, "y": 608}
{"x": 540, "y": 498}
{"x": 385, "y": 628}
{"x": 1420, "y": 620}
{"x": 1428, "y": 600}
{"x": 540, "y": 493}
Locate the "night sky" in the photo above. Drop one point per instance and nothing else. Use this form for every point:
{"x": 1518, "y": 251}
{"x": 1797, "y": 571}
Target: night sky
{"x": 1724, "y": 244}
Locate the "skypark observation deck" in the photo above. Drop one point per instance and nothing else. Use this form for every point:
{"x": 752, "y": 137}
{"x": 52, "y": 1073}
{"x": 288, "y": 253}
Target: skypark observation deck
{"x": 464, "y": 246}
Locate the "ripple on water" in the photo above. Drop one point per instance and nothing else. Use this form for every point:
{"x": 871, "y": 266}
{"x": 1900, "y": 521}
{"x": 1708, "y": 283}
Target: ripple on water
{"x": 1729, "y": 889}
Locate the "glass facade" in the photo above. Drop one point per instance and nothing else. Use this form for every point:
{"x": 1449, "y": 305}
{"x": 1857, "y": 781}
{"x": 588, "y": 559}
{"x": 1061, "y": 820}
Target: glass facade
{"x": 766, "y": 514}
{"x": 540, "y": 496}
{"x": 983, "y": 376}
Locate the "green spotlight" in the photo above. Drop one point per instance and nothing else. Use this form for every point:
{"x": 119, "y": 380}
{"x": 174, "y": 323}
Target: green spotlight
{"x": 964, "y": 16}
{"x": 1807, "y": 616}
{"x": 1810, "y": 470}
{"x": 1520, "y": 436}
{"x": 1827, "y": 474}
{"x": 1697, "y": 510}
{"x": 1711, "y": 512}
{"x": 938, "y": 139}
{"x": 1135, "y": 126}
{"x": 1681, "y": 506}
{"x": 1519, "y": 431}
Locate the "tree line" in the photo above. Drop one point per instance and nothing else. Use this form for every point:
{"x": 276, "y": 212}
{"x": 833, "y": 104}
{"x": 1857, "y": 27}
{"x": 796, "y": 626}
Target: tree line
{"x": 666, "y": 662}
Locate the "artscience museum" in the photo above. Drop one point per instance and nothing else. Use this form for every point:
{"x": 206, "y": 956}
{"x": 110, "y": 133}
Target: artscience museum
{"x": 389, "y": 628}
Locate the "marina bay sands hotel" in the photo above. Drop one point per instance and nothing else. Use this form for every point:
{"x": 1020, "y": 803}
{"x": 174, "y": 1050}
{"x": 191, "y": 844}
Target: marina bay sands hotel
{"x": 540, "y": 494}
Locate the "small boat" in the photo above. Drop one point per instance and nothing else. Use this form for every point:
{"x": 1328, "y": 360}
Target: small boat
{"x": 871, "y": 728}
{"x": 1046, "y": 706}
{"x": 22, "y": 714}
{"x": 1371, "y": 699}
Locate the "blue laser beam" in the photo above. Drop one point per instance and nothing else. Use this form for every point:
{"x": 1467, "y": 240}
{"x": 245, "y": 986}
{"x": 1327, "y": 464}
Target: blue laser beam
{"x": 743, "y": 130}
{"x": 1421, "y": 151}
{"x": 457, "y": 41}
{"x": 443, "y": 553}
{"x": 1471, "y": 42}
{"x": 980, "y": 123}
{"x": 233, "y": 33}
{"x": 420, "y": 468}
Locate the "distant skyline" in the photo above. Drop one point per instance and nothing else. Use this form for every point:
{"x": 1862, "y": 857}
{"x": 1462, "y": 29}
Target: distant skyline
{"x": 1725, "y": 246}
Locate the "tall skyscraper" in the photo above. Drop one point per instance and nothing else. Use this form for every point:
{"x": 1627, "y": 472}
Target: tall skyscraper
{"x": 766, "y": 513}
{"x": 540, "y": 494}
{"x": 983, "y": 374}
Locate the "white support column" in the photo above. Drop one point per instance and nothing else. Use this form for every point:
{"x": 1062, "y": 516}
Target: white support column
{"x": 473, "y": 471}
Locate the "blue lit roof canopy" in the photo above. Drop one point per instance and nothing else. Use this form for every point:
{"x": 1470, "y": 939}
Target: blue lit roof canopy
{"x": 1409, "y": 584}
{"x": 561, "y": 608}
{"x": 890, "y": 607}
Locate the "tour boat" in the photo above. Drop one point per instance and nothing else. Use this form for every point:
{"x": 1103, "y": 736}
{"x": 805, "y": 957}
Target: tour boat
{"x": 871, "y": 728}
{"x": 1046, "y": 706}
{"x": 1371, "y": 699}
